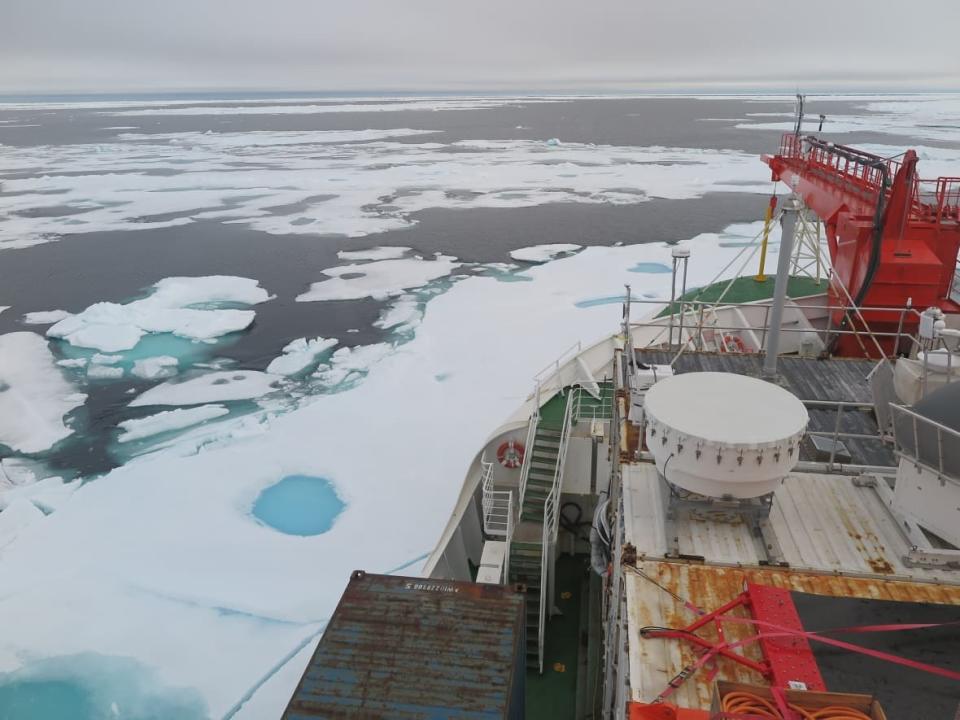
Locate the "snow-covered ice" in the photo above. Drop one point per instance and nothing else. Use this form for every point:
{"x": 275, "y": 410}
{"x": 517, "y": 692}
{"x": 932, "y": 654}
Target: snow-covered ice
{"x": 308, "y": 184}
{"x": 170, "y": 308}
{"x": 404, "y": 312}
{"x": 347, "y": 365}
{"x": 161, "y": 366}
{"x": 209, "y": 388}
{"x": 45, "y": 317}
{"x": 168, "y": 420}
{"x": 543, "y": 253}
{"x": 391, "y": 252}
{"x": 378, "y": 279}
{"x": 48, "y": 494}
{"x": 299, "y": 355}
{"x": 104, "y": 372}
{"x": 34, "y": 396}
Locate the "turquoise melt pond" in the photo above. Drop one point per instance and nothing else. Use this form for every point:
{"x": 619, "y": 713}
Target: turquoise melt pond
{"x": 299, "y": 505}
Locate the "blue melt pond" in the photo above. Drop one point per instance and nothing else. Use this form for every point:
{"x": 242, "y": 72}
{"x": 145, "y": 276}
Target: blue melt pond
{"x": 299, "y": 505}
{"x": 651, "y": 267}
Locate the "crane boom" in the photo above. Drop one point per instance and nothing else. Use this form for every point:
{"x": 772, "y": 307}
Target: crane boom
{"x": 893, "y": 238}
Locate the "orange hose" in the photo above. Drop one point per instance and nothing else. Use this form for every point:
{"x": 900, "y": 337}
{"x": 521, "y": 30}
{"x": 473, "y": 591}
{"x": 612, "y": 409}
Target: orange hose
{"x": 745, "y": 703}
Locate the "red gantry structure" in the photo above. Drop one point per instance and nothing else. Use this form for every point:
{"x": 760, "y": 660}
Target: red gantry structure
{"x": 893, "y": 238}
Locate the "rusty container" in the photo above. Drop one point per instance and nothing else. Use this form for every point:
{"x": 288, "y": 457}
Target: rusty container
{"x": 400, "y": 648}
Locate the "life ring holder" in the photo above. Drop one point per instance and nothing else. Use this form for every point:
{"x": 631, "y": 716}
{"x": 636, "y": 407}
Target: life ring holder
{"x": 510, "y": 454}
{"x": 732, "y": 344}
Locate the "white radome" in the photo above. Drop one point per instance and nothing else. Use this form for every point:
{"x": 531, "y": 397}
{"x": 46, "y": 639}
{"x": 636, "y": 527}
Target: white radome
{"x": 723, "y": 435}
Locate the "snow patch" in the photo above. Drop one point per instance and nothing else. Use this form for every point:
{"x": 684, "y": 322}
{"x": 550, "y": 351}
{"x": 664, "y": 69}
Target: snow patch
{"x": 104, "y": 372}
{"x": 348, "y": 365}
{"x": 34, "y": 396}
{"x": 404, "y": 313}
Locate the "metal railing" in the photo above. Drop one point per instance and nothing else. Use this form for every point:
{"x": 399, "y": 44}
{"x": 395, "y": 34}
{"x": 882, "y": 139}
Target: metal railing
{"x": 926, "y": 443}
{"x": 498, "y": 513}
{"x": 835, "y": 435}
{"x": 551, "y": 519}
{"x": 560, "y": 360}
{"x": 593, "y": 408}
{"x": 528, "y": 447}
{"x": 703, "y": 332}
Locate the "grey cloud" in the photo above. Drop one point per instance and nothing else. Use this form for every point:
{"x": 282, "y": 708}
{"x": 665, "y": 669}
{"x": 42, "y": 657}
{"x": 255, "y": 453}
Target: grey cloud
{"x": 65, "y": 45}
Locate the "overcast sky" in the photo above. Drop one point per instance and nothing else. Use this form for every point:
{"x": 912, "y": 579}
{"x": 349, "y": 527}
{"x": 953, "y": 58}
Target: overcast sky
{"x": 475, "y": 45}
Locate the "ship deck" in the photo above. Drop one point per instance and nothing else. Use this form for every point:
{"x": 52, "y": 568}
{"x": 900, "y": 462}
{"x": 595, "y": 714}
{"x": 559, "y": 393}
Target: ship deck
{"x": 809, "y": 379}
{"x": 836, "y": 535}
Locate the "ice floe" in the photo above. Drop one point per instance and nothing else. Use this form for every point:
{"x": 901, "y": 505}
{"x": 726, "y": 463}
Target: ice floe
{"x": 308, "y": 184}
{"x": 543, "y": 253}
{"x": 209, "y": 388}
{"x": 378, "y": 279}
{"x": 161, "y": 366}
{"x": 170, "y": 308}
{"x": 299, "y": 355}
{"x": 376, "y": 253}
{"x": 34, "y": 396}
{"x": 168, "y": 420}
{"x": 347, "y": 365}
{"x": 104, "y": 372}
{"x": 930, "y": 117}
{"x": 45, "y": 317}
{"x": 404, "y": 312}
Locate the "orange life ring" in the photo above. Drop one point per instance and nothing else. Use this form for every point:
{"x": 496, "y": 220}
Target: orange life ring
{"x": 510, "y": 454}
{"x": 732, "y": 340}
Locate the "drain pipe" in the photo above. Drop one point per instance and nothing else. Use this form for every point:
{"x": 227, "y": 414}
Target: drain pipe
{"x": 788, "y": 222}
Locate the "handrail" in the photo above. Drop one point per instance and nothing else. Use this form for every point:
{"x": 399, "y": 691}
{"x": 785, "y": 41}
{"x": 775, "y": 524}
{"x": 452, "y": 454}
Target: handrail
{"x": 497, "y": 504}
{"x": 919, "y": 452}
{"x": 561, "y": 358}
{"x": 550, "y": 528}
{"x": 528, "y": 447}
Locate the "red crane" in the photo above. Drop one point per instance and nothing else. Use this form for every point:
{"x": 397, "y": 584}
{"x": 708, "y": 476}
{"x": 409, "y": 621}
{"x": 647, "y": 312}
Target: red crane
{"x": 893, "y": 238}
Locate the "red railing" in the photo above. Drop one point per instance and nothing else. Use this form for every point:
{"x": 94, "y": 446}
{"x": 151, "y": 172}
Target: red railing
{"x": 933, "y": 200}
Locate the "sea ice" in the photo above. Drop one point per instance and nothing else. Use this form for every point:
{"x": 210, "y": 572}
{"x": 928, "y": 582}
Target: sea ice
{"x": 211, "y": 387}
{"x": 162, "y": 366}
{"x": 348, "y": 365}
{"x": 104, "y": 372}
{"x": 15, "y": 517}
{"x": 376, "y": 253}
{"x": 45, "y": 317}
{"x": 299, "y": 355}
{"x": 48, "y": 494}
{"x": 171, "y": 308}
{"x": 404, "y": 312}
{"x": 168, "y": 420}
{"x": 378, "y": 279}
{"x": 307, "y": 184}
{"x": 73, "y": 362}
{"x": 34, "y": 396}
{"x": 543, "y": 253}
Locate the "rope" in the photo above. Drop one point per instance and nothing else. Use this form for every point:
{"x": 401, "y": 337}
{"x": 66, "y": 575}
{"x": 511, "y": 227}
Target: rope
{"x": 746, "y": 703}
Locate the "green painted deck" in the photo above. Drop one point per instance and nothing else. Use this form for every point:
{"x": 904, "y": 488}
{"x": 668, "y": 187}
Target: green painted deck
{"x": 551, "y": 414}
{"x": 553, "y": 695}
{"x": 746, "y": 289}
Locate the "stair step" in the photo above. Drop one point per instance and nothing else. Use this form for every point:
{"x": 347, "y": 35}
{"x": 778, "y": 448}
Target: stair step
{"x": 547, "y": 432}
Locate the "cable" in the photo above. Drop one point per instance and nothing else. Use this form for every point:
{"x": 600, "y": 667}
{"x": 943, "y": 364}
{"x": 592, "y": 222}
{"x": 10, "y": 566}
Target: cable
{"x": 746, "y": 703}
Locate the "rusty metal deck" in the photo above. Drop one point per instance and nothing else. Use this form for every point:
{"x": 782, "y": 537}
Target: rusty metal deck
{"x": 651, "y": 586}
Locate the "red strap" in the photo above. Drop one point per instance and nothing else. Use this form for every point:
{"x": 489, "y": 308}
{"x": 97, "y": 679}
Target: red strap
{"x": 889, "y": 657}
